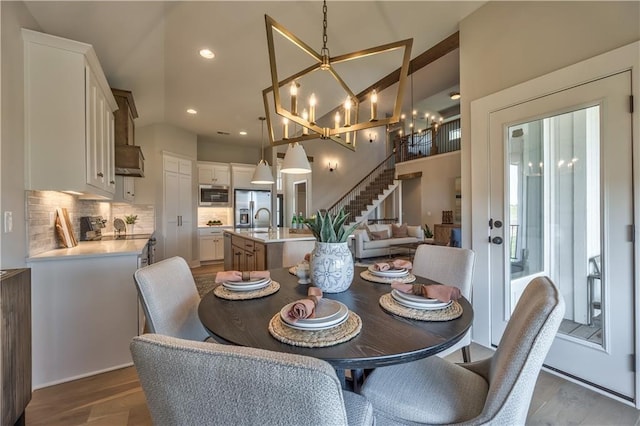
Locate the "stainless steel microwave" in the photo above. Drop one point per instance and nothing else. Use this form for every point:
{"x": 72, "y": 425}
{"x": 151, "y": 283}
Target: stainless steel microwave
{"x": 214, "y": 195}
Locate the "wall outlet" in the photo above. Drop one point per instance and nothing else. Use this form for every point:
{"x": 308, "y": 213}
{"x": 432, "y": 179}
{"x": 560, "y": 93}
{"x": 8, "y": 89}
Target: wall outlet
{"x": 8, "y": 222}
{"x": 52, "y": 218}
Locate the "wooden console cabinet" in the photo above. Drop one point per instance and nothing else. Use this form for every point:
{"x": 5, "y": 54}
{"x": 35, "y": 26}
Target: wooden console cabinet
{"x": 442, "y": 232}
{"x": 15, "y": 340}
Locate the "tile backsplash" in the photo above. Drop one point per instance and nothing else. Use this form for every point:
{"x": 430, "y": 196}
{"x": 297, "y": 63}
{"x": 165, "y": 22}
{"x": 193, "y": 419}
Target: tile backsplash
{"x": 41, "y": 209}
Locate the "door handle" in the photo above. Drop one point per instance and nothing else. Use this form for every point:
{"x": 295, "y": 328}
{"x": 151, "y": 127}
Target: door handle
{"x": 495, "y": 240}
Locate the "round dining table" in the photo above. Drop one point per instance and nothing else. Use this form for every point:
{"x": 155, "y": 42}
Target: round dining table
{"x": 385, "y": 338}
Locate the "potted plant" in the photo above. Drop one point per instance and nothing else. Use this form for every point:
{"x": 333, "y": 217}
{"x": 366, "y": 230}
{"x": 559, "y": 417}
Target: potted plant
{"x": 331, "y": 262}
{"x": 130, "y": 220}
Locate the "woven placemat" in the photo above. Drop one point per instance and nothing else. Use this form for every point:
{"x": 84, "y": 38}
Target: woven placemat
{"x": 318, "y": 338}
{"x": 451, "y": 312}
{"x": 368, "y": 276}
{"x": 224, "y": 293}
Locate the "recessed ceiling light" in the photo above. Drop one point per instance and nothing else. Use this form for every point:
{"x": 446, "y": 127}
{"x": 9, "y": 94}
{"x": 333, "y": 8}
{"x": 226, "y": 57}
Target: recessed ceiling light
{"x": 454, "y": 95}
{"x": 206, "y": 53}
{"x": 191, "y": 111}
{"x": 243, "y": 133}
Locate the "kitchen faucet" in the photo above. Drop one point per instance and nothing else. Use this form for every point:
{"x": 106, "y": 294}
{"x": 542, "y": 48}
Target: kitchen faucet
{"x": 268, "y": 212}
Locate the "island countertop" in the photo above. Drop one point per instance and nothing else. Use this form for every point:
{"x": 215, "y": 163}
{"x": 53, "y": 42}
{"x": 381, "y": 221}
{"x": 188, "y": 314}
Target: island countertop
{"x": 275, "y": 235}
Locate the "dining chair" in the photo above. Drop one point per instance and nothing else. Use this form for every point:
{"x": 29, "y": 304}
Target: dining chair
{"x": 195, "y": 383}
{"x": 170, "y": 299}
{"x": 451, "y": 266}
{"x": 496, "y": 390}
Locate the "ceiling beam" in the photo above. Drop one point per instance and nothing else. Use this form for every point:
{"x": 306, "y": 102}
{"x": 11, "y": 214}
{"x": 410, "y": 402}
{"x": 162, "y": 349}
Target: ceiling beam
{"x": 444, "y": 47}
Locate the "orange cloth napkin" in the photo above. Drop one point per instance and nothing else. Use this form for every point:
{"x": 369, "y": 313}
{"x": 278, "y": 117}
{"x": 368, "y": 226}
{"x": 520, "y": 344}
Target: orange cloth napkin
{"x": 393, "y": 264}
{"x": 443, "y": 293}
{"x": 305, "y": 308}
{"x": 223, "y": 276}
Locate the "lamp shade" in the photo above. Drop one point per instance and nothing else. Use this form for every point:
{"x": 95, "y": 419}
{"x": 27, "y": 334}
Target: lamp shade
{"x": 295, "y": 160}
{"x": 262, "y": 174}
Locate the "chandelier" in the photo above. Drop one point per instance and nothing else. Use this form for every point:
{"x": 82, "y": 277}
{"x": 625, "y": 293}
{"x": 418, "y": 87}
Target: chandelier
{"x": 298, "y": 105}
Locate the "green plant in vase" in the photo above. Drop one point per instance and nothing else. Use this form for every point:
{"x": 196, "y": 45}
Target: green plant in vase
{"x": 327, "y": 228}
{"x": 130, "y": 220}
{"x": 427, "y": 231}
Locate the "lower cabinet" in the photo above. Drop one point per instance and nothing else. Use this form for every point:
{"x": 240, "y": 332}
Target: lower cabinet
{"x": 211, "y": 245}
{"x": 244, "y": 254}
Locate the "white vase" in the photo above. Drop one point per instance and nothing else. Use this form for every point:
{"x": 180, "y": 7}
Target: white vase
{"x": 130, "y": 227}
{"x": 331, "y": 267}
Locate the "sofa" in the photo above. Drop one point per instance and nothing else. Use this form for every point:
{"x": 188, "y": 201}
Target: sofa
{"x": 375, "y": 240}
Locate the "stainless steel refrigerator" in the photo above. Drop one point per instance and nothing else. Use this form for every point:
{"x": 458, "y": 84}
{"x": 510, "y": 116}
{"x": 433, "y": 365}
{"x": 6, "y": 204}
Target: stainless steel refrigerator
{"x": 247, "y": 203}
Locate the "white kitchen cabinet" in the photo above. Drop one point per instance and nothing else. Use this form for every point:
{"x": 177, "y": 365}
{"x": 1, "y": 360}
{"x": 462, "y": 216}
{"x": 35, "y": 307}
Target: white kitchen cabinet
{"x": 69, "y": 122}
{"x": 211, "y": 244}
{"x": 125, "y": 189}
{"x": 178, "y": 210}
{"x": 214, "y": 173}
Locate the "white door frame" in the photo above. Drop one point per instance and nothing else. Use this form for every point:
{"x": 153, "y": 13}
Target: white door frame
{"x": 623, "y": 58}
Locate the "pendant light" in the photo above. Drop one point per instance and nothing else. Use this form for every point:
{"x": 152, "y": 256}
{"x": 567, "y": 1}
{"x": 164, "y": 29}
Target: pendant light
{"x": 262, "y": 174}
{"x": 295, "y": 160}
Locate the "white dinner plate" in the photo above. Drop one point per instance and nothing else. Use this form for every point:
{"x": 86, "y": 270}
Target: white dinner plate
{"x": 247, "y": 285}
{"x": 296, "y": 326}
{"x": 395, "y": 273}
{"x": 328, "y": 314}
{"x": 413, "y": 302}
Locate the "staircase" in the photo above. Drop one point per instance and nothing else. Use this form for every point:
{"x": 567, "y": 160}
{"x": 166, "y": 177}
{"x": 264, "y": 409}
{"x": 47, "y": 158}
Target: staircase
{"x": 367, "y": 194}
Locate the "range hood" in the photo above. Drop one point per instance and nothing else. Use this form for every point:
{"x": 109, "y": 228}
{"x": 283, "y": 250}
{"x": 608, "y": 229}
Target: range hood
{"x": 129, "y": 161}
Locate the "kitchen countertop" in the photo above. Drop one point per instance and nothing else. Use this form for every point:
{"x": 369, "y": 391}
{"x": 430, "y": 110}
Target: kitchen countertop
{"x": 276, "y": 235}
{"x": 94, "y": 249}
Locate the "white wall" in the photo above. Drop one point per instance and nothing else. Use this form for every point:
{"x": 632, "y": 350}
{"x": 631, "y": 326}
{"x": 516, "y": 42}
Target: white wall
{"x": 437, "y": 186}
{"x": 13, "y": 247}
{"x": 211, "y": 150}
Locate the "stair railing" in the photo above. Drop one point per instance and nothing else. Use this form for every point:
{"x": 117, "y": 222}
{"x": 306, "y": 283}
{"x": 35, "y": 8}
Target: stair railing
{"x": 388, "y": 163}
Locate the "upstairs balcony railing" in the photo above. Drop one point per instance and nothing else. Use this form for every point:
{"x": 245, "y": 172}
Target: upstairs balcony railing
{"x": 421, "y": 144}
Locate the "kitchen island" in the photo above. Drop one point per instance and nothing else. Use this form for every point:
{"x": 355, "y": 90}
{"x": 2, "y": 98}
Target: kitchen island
{"x": 261, "y": 248}
{"x": 84, "y": 309}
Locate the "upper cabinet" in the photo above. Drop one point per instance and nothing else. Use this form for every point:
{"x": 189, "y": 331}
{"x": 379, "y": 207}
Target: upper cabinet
{"x": 69, "y": 121}
{"x": 214, "y": 174}
{"x": 129, "y": 157}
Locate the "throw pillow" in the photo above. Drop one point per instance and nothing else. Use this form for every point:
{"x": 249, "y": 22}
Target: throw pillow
{"x": 399, "y": 231}
{"x": 369, "y": 232}
{"x": 379, "y": 235}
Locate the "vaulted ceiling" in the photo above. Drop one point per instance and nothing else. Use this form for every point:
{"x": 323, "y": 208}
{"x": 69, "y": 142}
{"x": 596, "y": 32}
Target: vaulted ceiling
{"x": 151, "y": 48}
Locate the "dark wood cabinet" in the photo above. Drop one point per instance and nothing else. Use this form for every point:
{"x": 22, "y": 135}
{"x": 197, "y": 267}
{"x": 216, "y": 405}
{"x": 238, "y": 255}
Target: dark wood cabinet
{"x": 250, "y": 255}
{"x": 442, "y": 232}
{"x": 15, "y": 340}
{"x": 124, "y": 116}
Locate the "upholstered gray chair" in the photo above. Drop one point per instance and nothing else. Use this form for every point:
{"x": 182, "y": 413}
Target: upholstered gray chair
{"x": 496, "y": 390}
{"x": 451, "y": 266}
{"x": 170, "y": 299}
{"x": 196, "y": 383}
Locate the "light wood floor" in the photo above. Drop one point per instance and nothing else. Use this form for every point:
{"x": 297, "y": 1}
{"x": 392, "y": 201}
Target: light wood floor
{"x": 116, "y": 399}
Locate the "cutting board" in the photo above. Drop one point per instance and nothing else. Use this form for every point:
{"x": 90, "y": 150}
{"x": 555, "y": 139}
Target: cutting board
{"x": 64, "y": 229}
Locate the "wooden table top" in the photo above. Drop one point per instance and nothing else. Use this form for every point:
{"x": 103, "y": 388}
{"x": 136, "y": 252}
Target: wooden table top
{"x": 385, "y": 339}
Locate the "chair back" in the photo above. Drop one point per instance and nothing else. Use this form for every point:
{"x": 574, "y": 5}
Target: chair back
{"x": 446, "y": 265}
{"x": 524, "y": 345}
{"x": 196, "y": 383}
{"x": 170, "y": 299}
{"x": 455, "y": 239}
